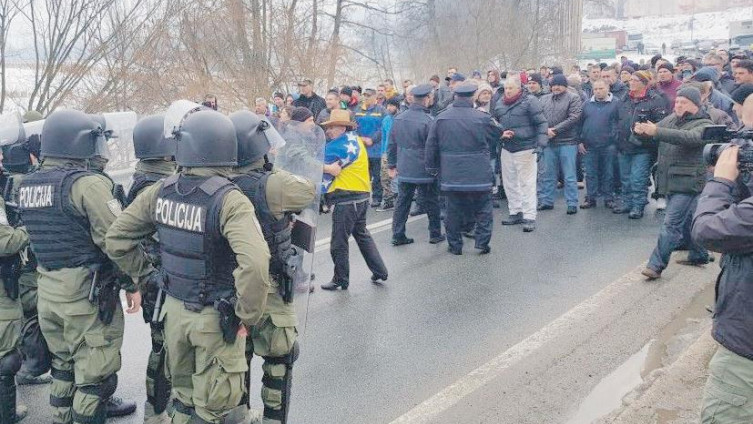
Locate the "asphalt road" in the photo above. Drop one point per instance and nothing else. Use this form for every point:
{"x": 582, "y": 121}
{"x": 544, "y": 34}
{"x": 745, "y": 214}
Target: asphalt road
{"x": 519, "y": 335}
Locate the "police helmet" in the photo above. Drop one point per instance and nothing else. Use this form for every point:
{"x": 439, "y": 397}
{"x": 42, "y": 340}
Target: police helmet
{"x": 70, "y": 134}
{"x": 16, "y": 158}
{"x": 252, "y": 142}
{"x": 206, "y": 138}
{"x": 149, "y": 141}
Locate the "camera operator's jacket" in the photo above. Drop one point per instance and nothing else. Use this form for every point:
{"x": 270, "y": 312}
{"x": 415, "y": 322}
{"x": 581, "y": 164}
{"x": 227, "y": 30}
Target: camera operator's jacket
{"x": 680, "y": 168}
{"x": 724, "y": 223}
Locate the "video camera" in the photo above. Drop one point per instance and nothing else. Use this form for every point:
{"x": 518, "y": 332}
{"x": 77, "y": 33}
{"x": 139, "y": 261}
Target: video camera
{"x": 720, "y": 133}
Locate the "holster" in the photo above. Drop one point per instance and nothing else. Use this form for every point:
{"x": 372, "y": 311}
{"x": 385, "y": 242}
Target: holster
{"x": 105, "y": 291}
{"x": 293, "y": 266}
{"x": 152, "y": 299}
{"x": 229, "y": 322}
{"x": 10, "y": 271}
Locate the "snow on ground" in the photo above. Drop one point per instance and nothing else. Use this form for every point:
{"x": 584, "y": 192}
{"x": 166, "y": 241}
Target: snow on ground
{"x": 664, "y": 29}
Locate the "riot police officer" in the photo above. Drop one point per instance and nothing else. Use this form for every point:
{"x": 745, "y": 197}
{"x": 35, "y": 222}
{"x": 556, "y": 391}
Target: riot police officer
{"x": 458, "y": 151}
{"x": 67, "y": 210}
{"x": 215, "y": 267}
{"x": 12, "y": 241}
{"x": 276, "y": 196}
{"x": 20, "y": 159}
{"x": 156, "y": 155}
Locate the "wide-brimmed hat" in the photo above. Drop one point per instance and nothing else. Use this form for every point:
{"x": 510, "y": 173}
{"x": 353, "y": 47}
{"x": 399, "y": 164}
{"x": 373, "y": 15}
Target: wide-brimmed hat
{"x": 339, "y": 117}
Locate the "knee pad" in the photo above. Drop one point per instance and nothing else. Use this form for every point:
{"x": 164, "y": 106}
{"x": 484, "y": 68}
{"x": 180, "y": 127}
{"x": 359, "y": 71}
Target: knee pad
{"x": 102, "y": 390}
{"x": 10, "y": 363}
{"x": 288, "y": 359}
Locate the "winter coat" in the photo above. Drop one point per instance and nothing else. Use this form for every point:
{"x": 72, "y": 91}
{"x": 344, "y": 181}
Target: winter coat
{"x": 600, "y": 118}
{"x": 406, "y": 151}
{"x": 620, "y": 90}
{"x": 722, "y": 224}
{"x": 369, "y": 122}
{"x": 653, "y": 106}
{"x": 563, "y": 112}
{"x": 669, "y": 89}
{"x": 458, "y": 148}
{"x": 723, "y": 102}
{"x": 719, "y": 117}
{"x": 680, "y": 168}
{"x": 315, "y": 103}
{"x": 526, "y": 119}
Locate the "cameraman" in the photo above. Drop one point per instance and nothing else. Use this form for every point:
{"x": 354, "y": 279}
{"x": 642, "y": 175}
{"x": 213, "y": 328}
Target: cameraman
{"x": 724, "y": 223}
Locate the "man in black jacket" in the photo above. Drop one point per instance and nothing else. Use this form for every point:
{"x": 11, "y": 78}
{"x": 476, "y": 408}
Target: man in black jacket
{"x": 724, "y": 223}
{"x": 405, "y": 160}
{"x": 309, "y": 99}
{"x": 458, "y": 151}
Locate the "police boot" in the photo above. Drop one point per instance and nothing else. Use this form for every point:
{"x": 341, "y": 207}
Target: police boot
{"x": 117, "y": 407}
{"x": 8, "y": 411}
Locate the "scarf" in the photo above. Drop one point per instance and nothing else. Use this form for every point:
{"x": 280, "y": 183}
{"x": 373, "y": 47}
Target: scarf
{"x": 510, "y": 100}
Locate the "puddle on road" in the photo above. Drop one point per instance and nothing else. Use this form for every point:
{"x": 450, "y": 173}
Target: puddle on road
{"x": 607, "y": 395}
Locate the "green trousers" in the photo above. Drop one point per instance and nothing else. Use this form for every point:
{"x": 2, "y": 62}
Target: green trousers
{"x": 207, "y": 373}
{"x": 728, "y": 396}
{"x": 11, "y": 320}
{"x": 85, "y": 353}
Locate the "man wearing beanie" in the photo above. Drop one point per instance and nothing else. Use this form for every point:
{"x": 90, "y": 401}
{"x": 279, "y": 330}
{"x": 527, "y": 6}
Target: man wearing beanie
{"x": 667, "y": 83}
{"x": 562, "y": 109}
{"x": 535, "y": 85}
{"x": 739, "y": 95}
{"x": 681, "y": 175}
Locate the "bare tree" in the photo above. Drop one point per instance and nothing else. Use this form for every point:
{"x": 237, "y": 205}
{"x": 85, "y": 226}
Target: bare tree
{"x": 8, "y": 11}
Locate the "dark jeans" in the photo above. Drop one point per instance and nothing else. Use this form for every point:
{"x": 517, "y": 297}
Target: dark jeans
{"x": 430, "y": 195}
{"x": 463, "y": 207}
{"x": 375, "y": 172}
{"x": 350, "y": 219}
{"x": 634, "y": 174}
{"x": 675, "y": 232}
{"x": 600, "y": 172}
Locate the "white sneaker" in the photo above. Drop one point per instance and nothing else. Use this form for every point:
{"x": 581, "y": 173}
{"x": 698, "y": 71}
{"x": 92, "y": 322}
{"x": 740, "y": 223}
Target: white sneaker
{"x": 661, "y": 204}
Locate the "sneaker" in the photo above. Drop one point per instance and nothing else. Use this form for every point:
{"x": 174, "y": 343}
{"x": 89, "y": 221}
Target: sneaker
{"x": 387, "y": 205}
{"x": 437, "y": 239}
{"x": 402, "y": 241}
{"x": 117, "y": 407}
{"x": 544, "y": 207}
{"x": 636, "y": 213}
{"x": 588, "y": 204}
{"x": 376, "y": 278}
{"x": 513, "y": 219}
{"x": 650, "y": 274}
{"x": 572, "y": 210}
{"x": 333, "y": 285}
{"x": 529, "y": 225}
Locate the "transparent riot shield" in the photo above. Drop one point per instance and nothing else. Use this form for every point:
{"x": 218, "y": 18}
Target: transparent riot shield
{"x": 118, "y": 132}
{"x": 11, "y": 128}
{"x": 303, "y": 156}
{"x": 33, "y": 129}
{"x": 176, "y": 113}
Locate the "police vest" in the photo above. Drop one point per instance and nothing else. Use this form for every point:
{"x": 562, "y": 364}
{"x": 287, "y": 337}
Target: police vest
{"x": 197, "y": 261}
{"x": 59, "y": 234}
{"x": 141, "y": 180}
{"x": 277, "y": 232}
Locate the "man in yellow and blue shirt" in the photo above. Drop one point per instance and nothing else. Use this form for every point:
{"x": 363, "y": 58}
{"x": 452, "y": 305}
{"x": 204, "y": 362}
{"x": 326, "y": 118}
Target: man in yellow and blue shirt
{"x": 347, "y": 188}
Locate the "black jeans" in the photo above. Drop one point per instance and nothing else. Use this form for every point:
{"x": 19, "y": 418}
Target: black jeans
{"x": 375, "y": 172}
{"x": 350, "y": 219}
{"x": 463, "y": 207}
{"x": 430, "y": 195}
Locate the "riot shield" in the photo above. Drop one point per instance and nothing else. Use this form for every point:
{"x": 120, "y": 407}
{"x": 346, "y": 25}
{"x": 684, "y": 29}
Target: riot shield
{"x": 176, "y": 113}
{"x": 118, "y": 127}
{"x": 303, "y": 156}
{"x": 11, "y": 128}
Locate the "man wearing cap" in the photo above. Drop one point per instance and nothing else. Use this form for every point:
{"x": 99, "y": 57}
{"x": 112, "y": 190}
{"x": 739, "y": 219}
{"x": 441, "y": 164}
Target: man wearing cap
{"x": 309, "y": 99}
{"x": 405, "y": 162}
{"x": 346, "y": 186}
{"x": 717, "y": 98}
{"x": 457, "y": 150}
{"x": 563, "y": 110}
{"x": 681, "y": 175}
{"x": 535, "y": 85}
{"x": 454, "y": 81}
{"x": 369, "y": 118}
{"x": 667, "y": 83}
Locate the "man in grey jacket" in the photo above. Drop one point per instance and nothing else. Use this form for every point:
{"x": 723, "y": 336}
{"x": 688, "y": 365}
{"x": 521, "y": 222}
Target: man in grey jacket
{"x": 562, "y": 109}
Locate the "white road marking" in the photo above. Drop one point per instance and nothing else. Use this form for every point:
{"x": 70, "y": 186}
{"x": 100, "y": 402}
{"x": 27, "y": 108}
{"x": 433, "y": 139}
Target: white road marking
{"x": 428, "y": 410}
{"x": 376, "y": 227}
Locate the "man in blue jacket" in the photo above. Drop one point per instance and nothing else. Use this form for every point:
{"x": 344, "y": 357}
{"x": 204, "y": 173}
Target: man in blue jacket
{"x": 458, "y": 151}
{"x": 598, "y": 145}
{"x": 369, "y": 118}
{"x": 405, "y": 160}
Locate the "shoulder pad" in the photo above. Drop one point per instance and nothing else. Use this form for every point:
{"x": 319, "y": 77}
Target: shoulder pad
{"x": 170, "y": 180}
{"x": 213, "y": 184}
